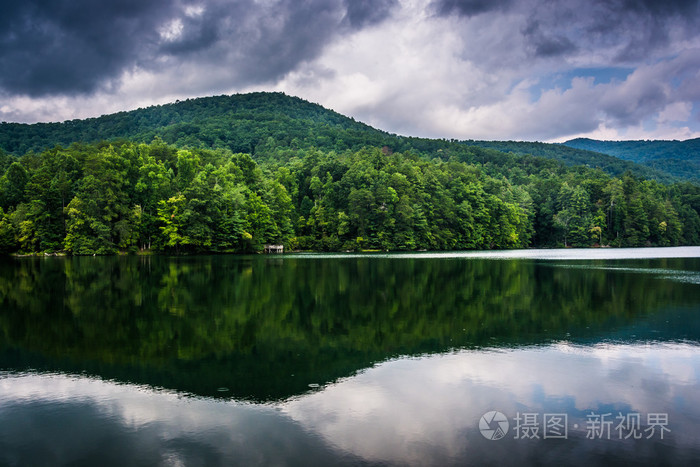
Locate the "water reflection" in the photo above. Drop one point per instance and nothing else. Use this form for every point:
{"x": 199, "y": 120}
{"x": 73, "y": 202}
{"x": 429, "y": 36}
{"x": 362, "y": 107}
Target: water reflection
{"x": 383, "y": 359}
{"x": 425, "y": 411}
{"x": 60, "y": 420}
{"x": 408, "y": 411}
{"x": 267, "y": 328}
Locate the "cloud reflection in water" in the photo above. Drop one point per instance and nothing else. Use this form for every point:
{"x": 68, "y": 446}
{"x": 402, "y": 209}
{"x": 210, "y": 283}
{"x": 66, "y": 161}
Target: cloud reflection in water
{"x": 417, "y": 411}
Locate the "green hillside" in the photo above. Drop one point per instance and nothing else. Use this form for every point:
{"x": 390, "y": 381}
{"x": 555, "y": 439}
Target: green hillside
{"x": 233, "y": 173}
{"x": 678, "y": 158}
{"x": 239, "y": 122}
{"x": 579, "y": 156}
{"x": 257, "y": 123}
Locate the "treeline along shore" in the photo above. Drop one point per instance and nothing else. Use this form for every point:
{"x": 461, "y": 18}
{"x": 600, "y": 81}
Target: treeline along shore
{"x": 282, "y": 171}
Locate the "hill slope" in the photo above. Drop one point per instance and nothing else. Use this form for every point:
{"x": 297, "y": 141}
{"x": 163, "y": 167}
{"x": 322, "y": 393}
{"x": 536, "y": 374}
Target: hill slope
{"x": 256, "y": 123}
{"x": 238, "y": 122}
{"x": 679, "y": 158}
{"x": 577, "y": 156}
{"x": 234, "y": 173}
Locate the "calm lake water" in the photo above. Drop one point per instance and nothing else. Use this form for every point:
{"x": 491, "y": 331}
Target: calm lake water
{"x": 566, "y": 357}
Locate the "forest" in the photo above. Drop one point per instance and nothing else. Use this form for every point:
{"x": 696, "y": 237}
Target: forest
{"x": 312, "y": 180}
{"x": 677, "y": 158}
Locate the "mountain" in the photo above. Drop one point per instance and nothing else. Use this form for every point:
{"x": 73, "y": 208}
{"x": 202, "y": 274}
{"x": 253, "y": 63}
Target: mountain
{"x": 255, "y": 123}
{"x": 678, "y": 158}
{"x": 238, "y": 122}
{"x": 577, "y": 156}
{"x": 236, "y": 173}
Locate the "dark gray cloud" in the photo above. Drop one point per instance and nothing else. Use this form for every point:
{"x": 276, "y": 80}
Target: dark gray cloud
{"x": 634, "y": 28}
{"x": 630, "y": 106}
{"x": 468, "y": 7}
{"x": 545, "y": 44}
{"x": 49, "y": 46}
{"x": 299, "y": 34}
{"x": 658, "y": 7}
{"x": 639, "y": 27}
{"x": 648, "y": 91}
{"x": 361, "y": 13}
{"x": 71, "y": 47}
{"x": 261, "y": 43}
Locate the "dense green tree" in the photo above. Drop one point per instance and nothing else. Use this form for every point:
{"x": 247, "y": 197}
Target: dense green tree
{"x": 171, "y": 217}
{"x": 123, "y": 196}
{"x": 8, "y": 241}
{"x": 575, "y": 218}
{"x": 100, "y": 215}
{"x": 12, "y": 185}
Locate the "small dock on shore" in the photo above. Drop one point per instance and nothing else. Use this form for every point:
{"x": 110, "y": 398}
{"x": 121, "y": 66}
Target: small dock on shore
{"x": 271, "y": 249}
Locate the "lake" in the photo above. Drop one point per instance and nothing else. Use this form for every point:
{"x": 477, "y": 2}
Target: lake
{"x": 532, "y": 357}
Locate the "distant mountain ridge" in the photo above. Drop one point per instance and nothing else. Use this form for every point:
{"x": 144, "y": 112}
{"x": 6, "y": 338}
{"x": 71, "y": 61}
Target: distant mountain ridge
{"x": 679, "y": 158}
{"x": 577, "y": 156}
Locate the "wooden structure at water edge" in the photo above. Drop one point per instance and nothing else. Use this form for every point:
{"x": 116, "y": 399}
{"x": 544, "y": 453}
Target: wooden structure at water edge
{"x": 269, "y": 248}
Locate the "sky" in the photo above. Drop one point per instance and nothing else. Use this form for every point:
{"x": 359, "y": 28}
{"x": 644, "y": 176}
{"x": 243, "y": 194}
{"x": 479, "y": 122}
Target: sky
{"x": 533, "y": 70}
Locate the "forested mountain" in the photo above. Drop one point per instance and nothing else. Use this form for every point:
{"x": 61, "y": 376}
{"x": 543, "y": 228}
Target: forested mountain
{"x": 253, "y": 123}
{"x": 233, "y": 173}
{"x": 679, "y": 158}
{"x": 239, "y": 123}
{"x": 569, "y": 155}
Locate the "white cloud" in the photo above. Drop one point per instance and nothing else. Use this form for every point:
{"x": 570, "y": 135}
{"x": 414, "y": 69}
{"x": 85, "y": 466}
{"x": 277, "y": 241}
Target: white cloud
{"x": 676, "y": 112}
{"x": 194, "y": 11}
{"x": 451, "y": 77}
{"x": 172, "y": 30}
{"x": 397, "y": 75}
{"x": 437, "y": 401}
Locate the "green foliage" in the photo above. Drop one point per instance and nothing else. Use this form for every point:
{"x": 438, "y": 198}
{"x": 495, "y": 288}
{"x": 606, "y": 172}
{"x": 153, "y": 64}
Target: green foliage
{"x": 103, "y": 198}
{"x": 12, "y": 185}
{"x": 233, "y": 173}
{"x": 271, "y": 126}
{"x": 588, "y": 156}
{"x": 255, "y": 123}
{"x": 678, "y": 158}
{"x": 5, "y": 161}
{"x": 7, "y": 234}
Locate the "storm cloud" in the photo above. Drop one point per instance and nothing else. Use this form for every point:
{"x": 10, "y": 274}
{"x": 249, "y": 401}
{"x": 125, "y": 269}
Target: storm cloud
{"x": 500, "y": 69}
{"x": 556, "y": 27}
{"x": 73, "y": 47}
{"x": 469, "y": 7}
